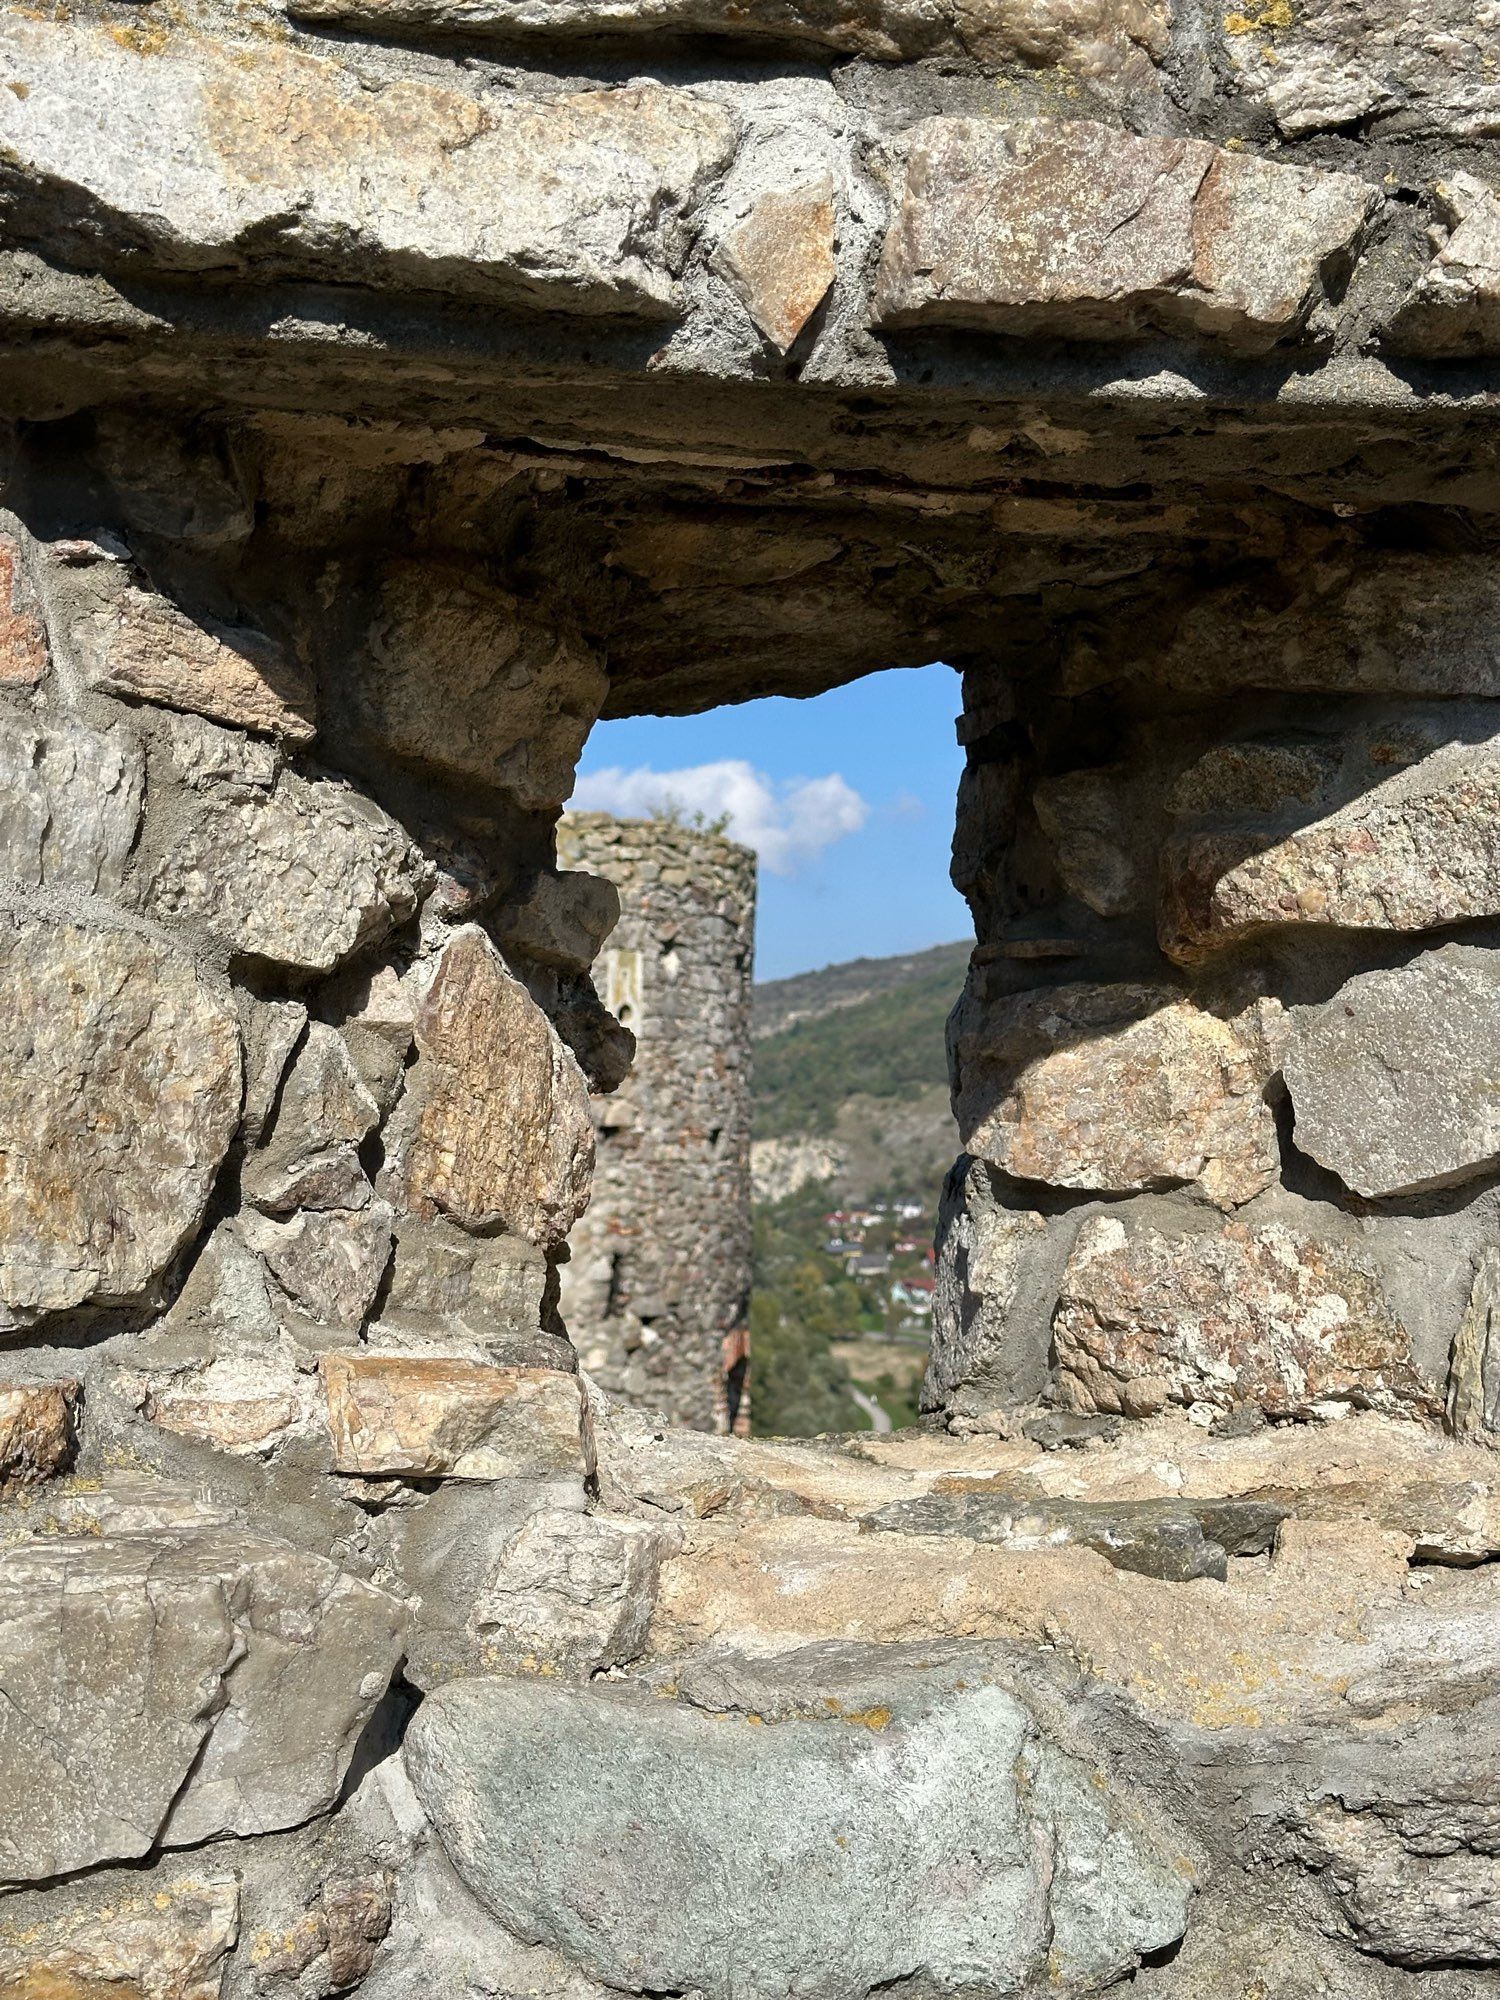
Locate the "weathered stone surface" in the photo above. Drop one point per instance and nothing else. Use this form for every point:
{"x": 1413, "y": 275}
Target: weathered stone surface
{"x": 574, "y": 1592}
{"x": 432, "y": 1416}
{"x": 377, "y": 1016}
{"x": 1413, "y": 1879}
{"x": 140, "y": 645}
{"x": 273, "y": 1029}
{"x": 1454, "y": 307}
{"x": 207, "y": 758}
{"x": 301, "y": 876}
{"x": 1032, "y": 1864}
{"x": 168, "y": 1941}
{"x": 281, "y": 161}
{"x": 482, "y": 1296}
{"x": 1057, "y": 227}
{"x": 1117, "y": 1088}
{"x": 1109, "y": 42}
{"x": 982, "y": 1242}
{"x": 1474, "y": 1368}
{"x": 38, "y": 1431}
{"x": 336, "y": 1938}
{"x": 519, "y": 695}
{"x": 1413, "y": 853}
{"x": 1405, "y": 67}
{"x": 119, "y": 1092}
{"x": 328, "y": 1263}
{"x": 1177, "y": 1541}
{"x": 70, "y": 804}
{"x": 1085, "y": 816}
{"x": 780, "y": 257}
{"x": 494, "y": 1127}
{"x": 24, "y": 652}
{"x": 244, "y": 1401}
{"x": 1395, "y": 1081}
{"x": 172, "y": 1688}
{"x": 310, "y": 1158}
{"x": 1295, "y": 1325}
{"x": 562, "y": 919}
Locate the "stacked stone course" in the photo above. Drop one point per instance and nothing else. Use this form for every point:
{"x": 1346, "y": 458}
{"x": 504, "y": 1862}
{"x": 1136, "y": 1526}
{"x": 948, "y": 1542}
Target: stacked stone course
{"x": 656, "y": 1293}
{"x": 391, "y": 389}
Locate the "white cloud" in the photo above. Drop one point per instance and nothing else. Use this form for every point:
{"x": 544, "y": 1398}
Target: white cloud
{"x": 786, "y": 821}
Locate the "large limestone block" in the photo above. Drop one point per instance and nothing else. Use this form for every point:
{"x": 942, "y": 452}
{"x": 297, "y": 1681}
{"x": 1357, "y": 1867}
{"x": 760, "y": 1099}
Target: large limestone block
{"x": 1110, "y": 42}
{"x": 1454, "y": 307}
{"x": 1060, "y": 227}
{"x": 168, "y": 1940}
{"x": 573, "y": 1592}
{"x": 1407, "y": 67}
{"x": 495, "y": 1126}
{"x": 302, "y": 875}
{"x": 426, "y": 1416}
{"x": 518, "y": 696}
{"x": 119, "y": 1093}
{"x": 256, "y": 156}
{"x": 70, "y": 804}
{"x": 606, "y": 1822}
{"x": 1395, "y": 1081}
{"x": 173, "y": 1688}
{"x": 1295, "y": 1325}
{"x": 1116, "y": 1089}
{"x": 1420, "y": 850}
{"x": 139, "y": 645}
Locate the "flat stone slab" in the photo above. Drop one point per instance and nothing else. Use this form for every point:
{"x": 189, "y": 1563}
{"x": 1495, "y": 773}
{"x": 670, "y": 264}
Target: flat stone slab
{"x": 823, "y": 1826}
{"x": 1395, "y": 1081}
{"x": 281, "y": 161}
{"x": 1062, "y": 227}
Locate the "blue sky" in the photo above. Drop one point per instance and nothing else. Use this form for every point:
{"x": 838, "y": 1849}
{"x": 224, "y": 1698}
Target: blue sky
{"x": 847, "y": 797}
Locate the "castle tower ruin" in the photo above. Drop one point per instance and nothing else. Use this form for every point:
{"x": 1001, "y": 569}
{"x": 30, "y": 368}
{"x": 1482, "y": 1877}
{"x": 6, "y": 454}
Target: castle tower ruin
{"x": 656, "y": 1295}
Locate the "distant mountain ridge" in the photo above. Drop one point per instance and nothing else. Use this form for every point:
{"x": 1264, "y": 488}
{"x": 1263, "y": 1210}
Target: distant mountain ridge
{"x": 808, "y": 996}
{"x": 869, "y": 1029}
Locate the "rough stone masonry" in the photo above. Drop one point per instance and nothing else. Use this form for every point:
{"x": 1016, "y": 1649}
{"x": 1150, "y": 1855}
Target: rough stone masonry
{"x": 392, "y": 388}
{"x": 656, "y": 1292}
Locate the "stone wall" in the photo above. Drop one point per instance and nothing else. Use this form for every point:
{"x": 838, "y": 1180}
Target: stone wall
{"x": 657, "y": 1292}
{"x": 393, "y": 387}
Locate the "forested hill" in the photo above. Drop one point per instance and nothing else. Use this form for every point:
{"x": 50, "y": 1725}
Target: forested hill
{"x": 872, "y": 1028}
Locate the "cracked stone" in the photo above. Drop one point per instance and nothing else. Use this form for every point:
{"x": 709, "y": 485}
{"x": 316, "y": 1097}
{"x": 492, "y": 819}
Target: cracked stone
{"x": 574, "y": 1592}
{"x": 495, "y": 1126}
{"x": 1116, "y": 1089}
{"x": 38, "y": 1432}
{"x": 172, "y": 1689}
{"x": 119, "y": 1093}
{"x": 143, "y": 647}
{"x": 280, "y": 160}
{"x": 302, "y": 876}
{"x": 70, "y": 804}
